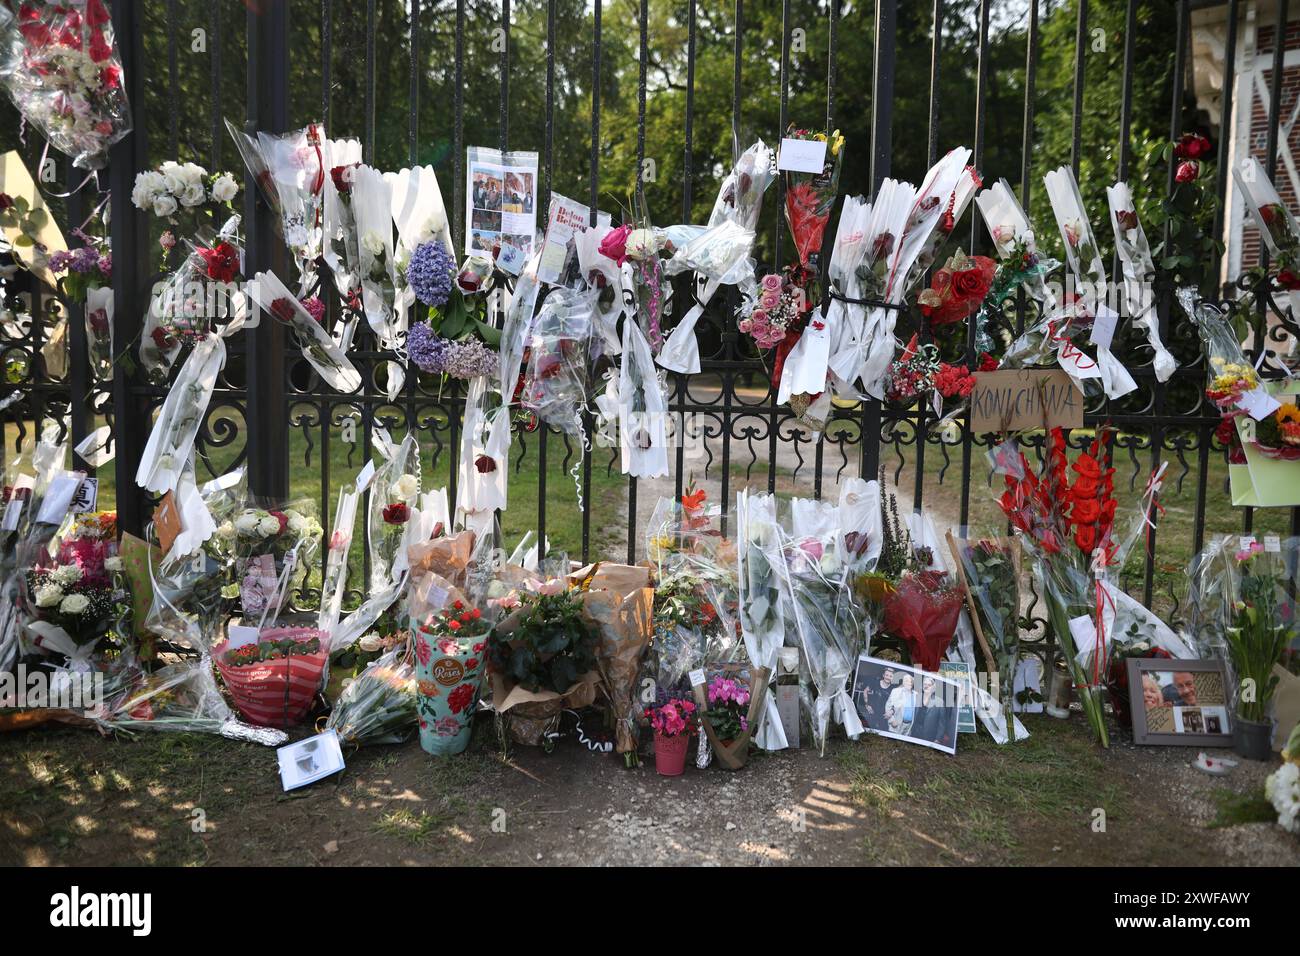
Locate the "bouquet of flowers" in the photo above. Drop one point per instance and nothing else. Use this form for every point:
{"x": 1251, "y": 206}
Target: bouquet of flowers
{"x": 450, "y": 649}
{"x": 340, "y": 241}
{"x": 322, "y": 352}
{"x": 762, "y": 617}
{"x": 182, "y": 698}
{"x": 74, "y": 596}
{"x": 555, "y": 376}
{"x": 1276, "y": 225}
{"x": 1068, "y": 527}
{"x": 719, "y": 255}
{"x": 263, "y": 544}
{"x": 1261, "y": 629}
{"x": 84, "y": 268}
{"x": 819, "y": 602}
{"x": 1020, "y": 264}
{"x": 810, "y": 196}
{"x": 185, "y": 308}
{"x": 291, "y": 170}
{"x": 60, "y": 66}
{"x": 778, "y": 312}
{"x": 172, "y": 187}
{"x": 922, "y": 611}
{"x": 275, "y": 680}
{"x": 900, "y": 243}
{"x": 1087, "y": 311}
{"x": 989, "y": 568}
{"x": 1135, "y": 259}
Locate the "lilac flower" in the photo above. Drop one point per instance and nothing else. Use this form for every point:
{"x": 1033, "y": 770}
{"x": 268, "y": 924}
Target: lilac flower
{"x": 469, "y": 359}
{"x": 426, "y": 349}
{"x": 429, "y": 273}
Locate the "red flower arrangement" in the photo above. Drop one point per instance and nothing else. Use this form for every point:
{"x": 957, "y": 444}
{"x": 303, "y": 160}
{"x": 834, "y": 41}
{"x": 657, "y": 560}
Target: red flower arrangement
{"x": 957, "y": 289}
{"x": 222, "y": 261}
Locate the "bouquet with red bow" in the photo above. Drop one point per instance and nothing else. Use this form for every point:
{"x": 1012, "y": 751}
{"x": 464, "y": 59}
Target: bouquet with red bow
{"x": 957, "y": 289}
{"x": 60, "y": 67}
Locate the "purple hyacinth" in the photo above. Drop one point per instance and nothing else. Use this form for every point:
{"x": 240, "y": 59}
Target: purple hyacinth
{"x": 426, "y": 349}
{"x": 429, "y": 273}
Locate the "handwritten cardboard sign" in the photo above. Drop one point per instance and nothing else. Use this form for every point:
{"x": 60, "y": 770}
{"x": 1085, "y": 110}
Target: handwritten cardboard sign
{"x": 1016, "y": 399}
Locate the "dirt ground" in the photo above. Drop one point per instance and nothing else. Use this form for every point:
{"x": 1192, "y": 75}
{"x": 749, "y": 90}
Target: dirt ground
{"x": 68, "y": 796}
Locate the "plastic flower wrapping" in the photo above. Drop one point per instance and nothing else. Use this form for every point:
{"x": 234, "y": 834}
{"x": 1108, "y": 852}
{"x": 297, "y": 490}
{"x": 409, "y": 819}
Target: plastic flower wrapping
{"x": 556, "y": 375}
{"x": 1138, "y": 270}
{"x": 378, "y": 706}
{"x": 719, "y": 252}
{"x": 1020, "y": 264}
{"x": 60, "y": 66}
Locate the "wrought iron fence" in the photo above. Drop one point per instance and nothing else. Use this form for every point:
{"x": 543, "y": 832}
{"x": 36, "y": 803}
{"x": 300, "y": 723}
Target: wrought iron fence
{"x": 271, "y": 413}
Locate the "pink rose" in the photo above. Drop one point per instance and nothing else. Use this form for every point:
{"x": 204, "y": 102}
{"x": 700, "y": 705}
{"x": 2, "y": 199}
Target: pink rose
{"x": 770, "y": 300}
{"x": 773, "y": 282}
{"x": 759, "y": 318}
{"x": 614, "y": 245}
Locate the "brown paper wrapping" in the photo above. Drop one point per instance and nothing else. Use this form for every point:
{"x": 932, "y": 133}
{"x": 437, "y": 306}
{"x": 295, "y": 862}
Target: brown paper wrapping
{"x": 734, "y": 756}
{"x": 437, "y": 572}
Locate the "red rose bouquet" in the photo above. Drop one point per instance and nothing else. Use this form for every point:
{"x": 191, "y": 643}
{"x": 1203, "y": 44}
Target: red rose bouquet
{"x": 957, "y": 289}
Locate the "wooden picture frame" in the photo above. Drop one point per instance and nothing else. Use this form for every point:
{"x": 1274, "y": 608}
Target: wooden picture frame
{"x": 1205, "y": 723}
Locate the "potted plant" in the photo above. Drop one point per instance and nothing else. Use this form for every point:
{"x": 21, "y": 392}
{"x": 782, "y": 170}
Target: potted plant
{"x": 1256, "y": 639}
{"x": 674, "y": 725}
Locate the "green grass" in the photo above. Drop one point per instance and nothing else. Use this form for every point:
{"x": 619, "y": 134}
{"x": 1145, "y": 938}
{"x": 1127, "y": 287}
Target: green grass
{"x": 1232, "y": 809}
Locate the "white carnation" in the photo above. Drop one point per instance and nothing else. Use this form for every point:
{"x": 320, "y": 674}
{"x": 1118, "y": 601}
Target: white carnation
{"x": 406, "y": 487}
{"x": 74, "y": 604}
{"x": 225, "y": 188}
{"x": 164, "y": 205}
{"x": 48, "y": 595}
{"x": 269, "y": 526}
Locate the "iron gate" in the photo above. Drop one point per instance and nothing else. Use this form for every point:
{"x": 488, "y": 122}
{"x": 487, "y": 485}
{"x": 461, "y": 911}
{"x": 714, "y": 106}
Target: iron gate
{"x": 273, "y": 415}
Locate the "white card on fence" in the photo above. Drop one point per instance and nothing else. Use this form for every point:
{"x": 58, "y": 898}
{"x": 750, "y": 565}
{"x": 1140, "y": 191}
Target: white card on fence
{"x": 365, "y": 476}
{"x": 1258, "y": 403}
{"x": 802, "y": 155}
{"x": 697, "y": 677}
{"x": 58, "y": 496}
{"x": 1272, "y": 544}
{"x": 307, "y": 761}
{"x": 240, "y": 635}
{"x": 1103, "y": 327}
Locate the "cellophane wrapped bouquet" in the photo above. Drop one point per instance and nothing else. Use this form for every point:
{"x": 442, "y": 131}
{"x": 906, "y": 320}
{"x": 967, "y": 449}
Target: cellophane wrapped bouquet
{"x": 60, "y": 66}
{"x": 990, "y": 567}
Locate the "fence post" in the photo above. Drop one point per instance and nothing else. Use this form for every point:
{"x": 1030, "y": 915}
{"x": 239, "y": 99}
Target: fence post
{"x": 268, "y": 111}
{"x": 129, "y": 240}
{"x": 882, "y": 145}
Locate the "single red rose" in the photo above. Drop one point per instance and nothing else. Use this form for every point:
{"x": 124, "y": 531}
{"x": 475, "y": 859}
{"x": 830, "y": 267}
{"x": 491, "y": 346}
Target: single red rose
{"x": 1126, "y": 218}
{"x": 342, "y": 177}
{"x": 396, "y": 514}
{"x": 283, "y": 309}
{"x": 163, "y": 339}
{"x": 1288, "y": 279}
{"x": 1187, "y": 171}
{"x": 485, "y": 464}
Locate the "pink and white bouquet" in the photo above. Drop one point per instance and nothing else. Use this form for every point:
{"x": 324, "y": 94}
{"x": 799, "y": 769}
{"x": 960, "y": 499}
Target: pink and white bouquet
{"x": 778, "y": 311}
{"x": 60, "y": 66}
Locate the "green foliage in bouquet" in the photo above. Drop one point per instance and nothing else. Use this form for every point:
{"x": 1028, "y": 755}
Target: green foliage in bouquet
{"x": 1257, "y": 638}
{"x": 551, "y": 646}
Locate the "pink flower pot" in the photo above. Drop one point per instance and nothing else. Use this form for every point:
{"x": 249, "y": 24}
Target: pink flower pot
{"x": 670, "y": 754}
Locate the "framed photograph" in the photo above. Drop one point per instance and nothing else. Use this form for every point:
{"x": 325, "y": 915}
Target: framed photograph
{"x": 907, "y": 703}
{"x": 1181, "y": 702}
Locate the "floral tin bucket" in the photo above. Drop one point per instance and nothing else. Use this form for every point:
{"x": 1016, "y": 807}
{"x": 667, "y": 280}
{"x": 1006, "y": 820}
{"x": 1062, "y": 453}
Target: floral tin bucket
{"x": 449, "y": 675}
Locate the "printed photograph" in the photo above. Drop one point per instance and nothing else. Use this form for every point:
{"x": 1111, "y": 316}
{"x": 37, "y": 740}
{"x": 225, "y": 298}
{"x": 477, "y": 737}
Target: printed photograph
{"x": 894, "y": 700}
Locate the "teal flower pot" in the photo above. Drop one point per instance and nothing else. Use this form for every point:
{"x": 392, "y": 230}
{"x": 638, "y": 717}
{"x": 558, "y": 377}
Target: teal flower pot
{"x": 449, "y": 675}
